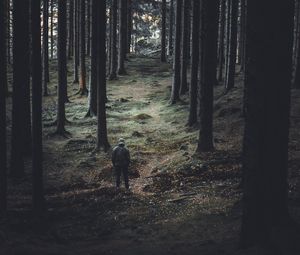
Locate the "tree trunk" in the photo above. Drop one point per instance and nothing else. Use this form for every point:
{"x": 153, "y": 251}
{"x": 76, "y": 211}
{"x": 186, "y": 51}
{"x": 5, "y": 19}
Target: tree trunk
{"x": 82, "y": 84}
{"x": 185, "y": 46}
{"x": 76, "y": 40}
{"x": 122, "y": 34}
{"x": 230, "y": 75}
{"x": 195, "y": 64}
{"x": 176, "y": 61}
{"x": 209, "y": 33}
{"x": 45, "y": 46}
{"x": 163, "y": 31}
{"x": 114, "y": 53}
{"x": 221, "y": 41}
{"x": 102, "y": 140}
{"x": 37, "y": 148}
{"x": 52, "y": 28}
{"x": 3, "y": 85}
{"x": 242, "y": 35}
{"x": 88, "y": 28}
{"x": 129, "y": 25}
{"x": 62, "y": 66}
{"x": 265, "y": 152}
{"x": 70, "y": 30}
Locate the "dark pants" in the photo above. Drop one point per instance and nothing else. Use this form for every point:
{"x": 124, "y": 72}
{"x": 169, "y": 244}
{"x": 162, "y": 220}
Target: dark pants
{"x": 118, "y": 171}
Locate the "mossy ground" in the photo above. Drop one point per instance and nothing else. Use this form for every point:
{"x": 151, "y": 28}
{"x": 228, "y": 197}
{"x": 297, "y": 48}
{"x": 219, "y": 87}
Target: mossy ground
{"x": 180, "y": 202}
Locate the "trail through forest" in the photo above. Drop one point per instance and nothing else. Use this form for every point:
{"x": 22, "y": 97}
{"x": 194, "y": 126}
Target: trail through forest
{"x": 179, "y": 203}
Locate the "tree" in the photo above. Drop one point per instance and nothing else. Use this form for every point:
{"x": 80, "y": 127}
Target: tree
{"x": 185, "y": 47}
{"x": 163, "y": 31}
{"x": 114, "y": 53}
{"x": 102, "y": 140}
{"x": 37, "y": 165}
{"x": 232, "y": 47}
{"x": 195, "y": 63}
{"x": 45, "y": 45}
{"x": 209, "y": 33}
{"x": 76, "y": 40}
{"x": 221, "y": 40}
{"x": 129, "y": 25}
{"x": 70, "y": 30}
{"x": 82, "y": 83}
{"x": 62, "y": 66}
{"x": 269, "y": 37}
{"x": 52, "y": 28}
{"x": 20, "y": 138}
{"x": 122, "y": 35}
{"x": 171, "y": 21}
{"x": 3, "y": 82}
{"x": 176, "y": 61}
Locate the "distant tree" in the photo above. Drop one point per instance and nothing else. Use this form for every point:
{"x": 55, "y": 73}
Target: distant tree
{"x": 129, "y": 25}
{"x": 171, "y": 27}
{"x": 102, "y": 140}
{"x": 114, "y": 52}
{"x": 122, "y": 37}
{"x": 52, "y": 29}
{"x": 195, "y": 63}
{"x": 70, "y": 30}
{"x": 88, "y": 27}
{"x": 163, "y": 31}
{"x": 76, "y": 40}
{"x": 82, "y": 84}
{"x": 46, "y": 77}
{"x": 242, "y": 35}
{"x": 20, "y": 138}
{"x": 3, "y": 82}
{"x": 209, "y": 33}
{"x": 185, "y": 46}
{"x": 296, "y": 43}
{"x": 221, "y": 40}
{"x": 37, "y": 165}
{"x": 62, "y": 66}
{"x": 230, "y": 74}
{"x": 176, "y": 61}
{"x": 269, "y": 37}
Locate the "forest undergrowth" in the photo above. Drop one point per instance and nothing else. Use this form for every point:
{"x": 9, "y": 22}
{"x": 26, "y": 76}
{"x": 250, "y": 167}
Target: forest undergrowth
{"x": 180, "y": 203}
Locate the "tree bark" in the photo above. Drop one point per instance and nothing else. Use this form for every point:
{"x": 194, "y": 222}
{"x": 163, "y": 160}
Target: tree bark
{"x": 52, "y": 29}
{"x": 163, "y": 31}
{"x": 129, "y": 25}
{"x": 221, "y": 41}
{"x": 209, "y": 33}
{"x": 46, "y": 78}
{"x": 122, "y": 35}
{"x": 171, "y": 26}
{"x": 76, "y": 40}
{"x": 176, "y": 62}
{"x": 114, "y": 53}
{"x": 70, "y": 30}
{"x": 265, "y": 152}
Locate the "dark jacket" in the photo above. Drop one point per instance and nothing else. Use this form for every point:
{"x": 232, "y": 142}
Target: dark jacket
{"x": 120, "y": 156}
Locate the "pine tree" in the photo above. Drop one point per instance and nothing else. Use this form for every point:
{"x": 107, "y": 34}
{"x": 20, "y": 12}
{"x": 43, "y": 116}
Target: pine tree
{"x": 163, "y": 31}
{"x": 114, "y": 53}
{"x": 45, "y": 46}
{"x": 122, "y": 35}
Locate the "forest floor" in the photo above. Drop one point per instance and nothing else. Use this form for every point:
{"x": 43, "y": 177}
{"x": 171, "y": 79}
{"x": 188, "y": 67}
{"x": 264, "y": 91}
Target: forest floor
{"x": 180, "y": 202}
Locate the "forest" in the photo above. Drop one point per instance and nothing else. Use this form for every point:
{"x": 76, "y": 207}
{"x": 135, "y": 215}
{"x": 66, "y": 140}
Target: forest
{"x": 149, "y": 127}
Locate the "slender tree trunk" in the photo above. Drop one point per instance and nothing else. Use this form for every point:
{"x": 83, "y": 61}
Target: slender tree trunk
{"x": 45, "y": 46}
{"x": 171, "y": 26}
{"x": 76, "y": 40}
{"x": 129, "y": 25}
{"x": 88, "y": 43}
{"x": 102, "y": 140}
{"x": 209, "y": 28}
{"x": 70, "y": 31}
{"x": 114, "y": 53}
{"x": 230, "y": 75}
{"x": 82, "y": 84}
{"x": 163, "y": 31}
{"x": 185, "y": 46}
{"x": 37, "y": 148}
{"x": 221, "y": 41}
{"x": 52, "y": 28}
{"x": 3, "y": 85}
{"x": 265, "y": 152}
{"x": 195, "y": 63}
{"x": 296, "y": 51}
{"x": 227, "y": 37}
{"x": 176, "y": 61}
{"x": 62, "y": 66}
{"x": 242, "y": 35}
{"x": 122, "y": 35}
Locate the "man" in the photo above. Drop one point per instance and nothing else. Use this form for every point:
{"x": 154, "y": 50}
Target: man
{"x": 121, "y": 161}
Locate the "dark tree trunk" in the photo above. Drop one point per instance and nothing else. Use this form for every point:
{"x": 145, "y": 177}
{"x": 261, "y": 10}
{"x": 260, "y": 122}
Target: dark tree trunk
{"x": 3, "y": 82}
{"x": 114, "y": 53}
{"x": 20, "y": 87}
{"x": 122, "y": 35}
{"x": 209, "y": 33}
{"x": 76, "y": 40}
{"x": 296, "y": 51}
{"x": 52, "y": 29}
{"x": 171, "y": 26}
{"x": 82, "y": 83}
{"x": 46, "y": 77}
{"x": 185, "y": 46}
{"x": 102, "y": 140}
{"x": 8, "y": 42}
{"x": 227, "y": 37}
{"x": 93, "y": 70}
{"x": 195, "y": 63}
{"x": 242, "y": 35}
{"x": 176, "y": 61}
{"x": 163, "y": 31}
{"x": 230, "y": 75}
{"x": 265, "y": 153}
{"x": 88, "y": 28}
{"x": 62, "y": 66}
{"x": 221, "y": 41}
{"x": 129, "y": 25}
{"x": 37, "y": 148}
{"x": 70, "y": 30}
